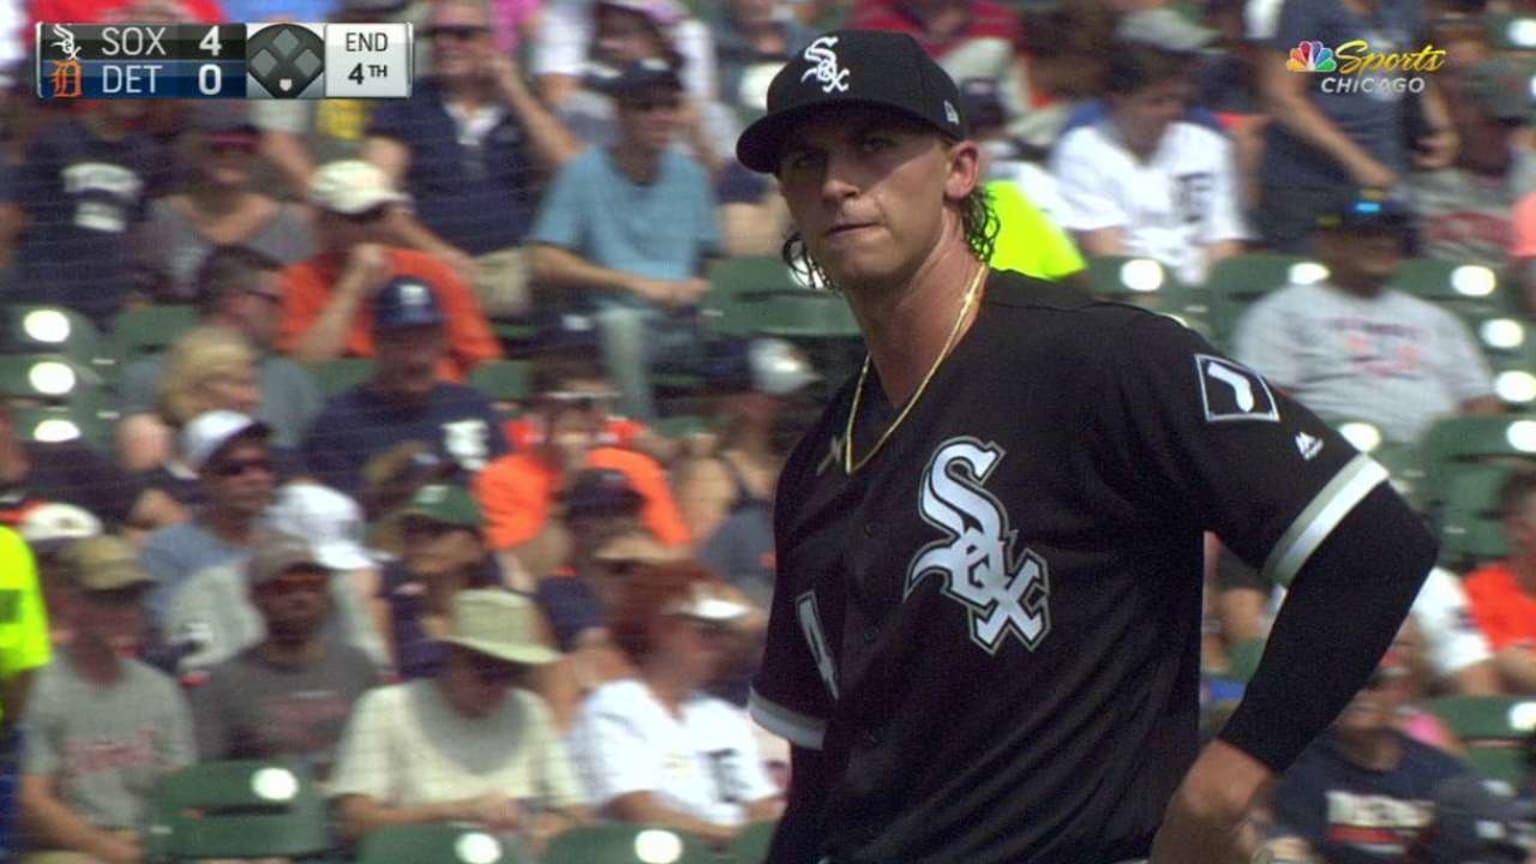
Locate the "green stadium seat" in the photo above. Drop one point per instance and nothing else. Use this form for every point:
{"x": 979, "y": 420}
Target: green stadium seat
{"x": 1511, "y": 32}
{"x": 732, "y": 281}
{"x": 1459, "y": 287}
{"x": 1494, "y": 730}
{"x": 1235, "y": 283}
{"x": 237, "y": 810}
{"x": 622, "y": 843}
{"x": 751, "y": 847}
{"x": 343, "y": 373}
{"x": 1403, "y": 461}
{"x": 1471, "y": 529}
{"x": 33, "y": 329}
{"x": 435, "y": 844}
{"x": 1148, "y": 283}
{"x": 150, "y": 330}
{"x": 504, "y": 380}
{"x": 800, "y": 314}
{"x": 1452, "y": 443}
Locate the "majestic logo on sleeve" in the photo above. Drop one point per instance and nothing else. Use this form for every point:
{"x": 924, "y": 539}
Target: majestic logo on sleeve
{"x": 828, "y": 72}
{"x": 1006, "y": 590}
{"x": 1232, "y": 391}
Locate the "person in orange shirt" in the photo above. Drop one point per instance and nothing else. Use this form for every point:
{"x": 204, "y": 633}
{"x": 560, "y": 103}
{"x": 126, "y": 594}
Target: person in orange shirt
{"x": 1503, "y": 594}
{"x": 521, "y": 492}
{"x": 327, "y": 300}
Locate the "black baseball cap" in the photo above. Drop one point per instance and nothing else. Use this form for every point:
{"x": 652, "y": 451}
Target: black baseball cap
{"x": 598, "y": 493}
{"x": 406, "y": 302}
{"x": 853, "y": 67}
{"x": 635, "y": 77}
{"x": 1367, "y": 210}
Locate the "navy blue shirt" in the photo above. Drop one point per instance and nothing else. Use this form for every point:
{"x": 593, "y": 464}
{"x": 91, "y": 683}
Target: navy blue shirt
{"x": 1353, "y": 815}
{"x": 85, "y": 197}
{"x": 417, "y": 653}
{"x": 571, "y": 606}
{"x": 481, "y": 197}
{"x": 357, "y": 425}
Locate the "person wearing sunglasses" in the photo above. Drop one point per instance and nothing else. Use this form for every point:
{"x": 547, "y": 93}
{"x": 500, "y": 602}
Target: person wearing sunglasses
{"x": 288, "y": 693}
{"x": 221, "y": 204}
{"x": 102, "y": 727}
{"x": 470, "y": 146}
{"x": 1361, "y": 793}
{"x": 229, "y": 453}
{"x": 654, "y": 748}
{"x": 329, "y": 299}
{"x": 470, "y": 744}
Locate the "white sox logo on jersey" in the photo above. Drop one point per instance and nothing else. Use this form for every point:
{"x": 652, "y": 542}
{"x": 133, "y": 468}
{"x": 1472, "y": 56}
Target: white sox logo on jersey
{"x": 1004, "y": 589}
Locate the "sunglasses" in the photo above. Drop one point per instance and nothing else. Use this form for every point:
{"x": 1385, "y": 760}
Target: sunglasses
{"x": 367, "y": 217}
{"x": 297, "y": 582}
{"x": 118, "y": 598}
{"x": 461, "y": 32}
{"x": 649, "y": 105}
{"x": 240, "y": 467}
{"x": 221, "y": 148}
{"x": 494, "y": 672}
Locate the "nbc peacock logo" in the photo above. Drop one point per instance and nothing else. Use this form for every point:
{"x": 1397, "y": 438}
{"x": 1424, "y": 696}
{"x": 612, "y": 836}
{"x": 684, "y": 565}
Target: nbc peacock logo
{"x": 1311, "y": 56}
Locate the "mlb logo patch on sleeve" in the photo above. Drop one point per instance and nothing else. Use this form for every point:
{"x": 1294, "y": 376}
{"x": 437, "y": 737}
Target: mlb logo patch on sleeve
{"x": 1232, "y": 391}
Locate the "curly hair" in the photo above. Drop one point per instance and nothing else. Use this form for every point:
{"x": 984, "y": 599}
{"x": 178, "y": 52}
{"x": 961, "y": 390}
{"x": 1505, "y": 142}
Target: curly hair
{"x": 977, "y": 220}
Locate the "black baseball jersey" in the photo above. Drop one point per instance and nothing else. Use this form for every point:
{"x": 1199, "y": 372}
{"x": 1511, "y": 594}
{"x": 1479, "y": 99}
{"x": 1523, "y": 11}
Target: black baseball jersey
{"x": 992, "y": 628}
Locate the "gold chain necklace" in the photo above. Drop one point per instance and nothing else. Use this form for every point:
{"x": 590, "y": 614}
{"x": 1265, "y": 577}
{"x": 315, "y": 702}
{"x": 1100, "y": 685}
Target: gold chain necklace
{"x": 850, "y": 465}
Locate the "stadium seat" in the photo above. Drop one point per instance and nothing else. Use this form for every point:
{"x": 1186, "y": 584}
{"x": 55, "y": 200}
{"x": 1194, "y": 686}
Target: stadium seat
{"x": 800, "y": 314}
{"x": 1235, "y": 283}
{"x": 622, "y": 843}
{"x": 150, "y": 330}
{"x": 32, "y": 329}
{"x": 1146, "y": 282}
{"x": 1459, "y": 287}
{"x": 1493, "y": 728}
{"x": 435, "y": 844}
{"x": 237, "y": 810}
{"x": 732, "y": 281}
{"x": 1470, "y": 527}
{"x": 503, "y": 380}
{"x": 1403, "y": 461}
{"x": 1453, "y": 442}
{"x": 753, "y": 844}
{"x": 1511, "y": 32}
{"x": 343, "y": 373}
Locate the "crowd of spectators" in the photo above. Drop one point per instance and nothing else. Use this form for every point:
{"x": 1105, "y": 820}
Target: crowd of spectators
{"x": 443, "y": 610}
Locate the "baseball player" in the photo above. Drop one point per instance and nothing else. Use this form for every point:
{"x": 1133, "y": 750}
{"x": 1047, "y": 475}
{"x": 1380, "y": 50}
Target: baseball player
{"x": 985, "y": 631}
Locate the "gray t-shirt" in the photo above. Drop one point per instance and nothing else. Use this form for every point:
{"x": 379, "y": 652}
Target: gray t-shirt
{"x": 1464, "y": 216}
{"x": 178, "y": 248}
{"x": 173, "y": 554}
{"x": 1395, "y": 360}
{"x": 289, "y": 398}
{"x": 106, "y": 747}
{"x": 252, "y": 708}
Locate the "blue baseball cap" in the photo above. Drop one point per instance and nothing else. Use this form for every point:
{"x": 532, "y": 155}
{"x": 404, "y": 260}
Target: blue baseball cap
{"x": 407, "y": 301}
{"x": 1367, "y": 210}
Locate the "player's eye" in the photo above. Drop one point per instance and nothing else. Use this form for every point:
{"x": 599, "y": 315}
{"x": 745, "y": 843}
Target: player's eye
{"x": 799, "y": 161}
{"x": 876, "y": 143}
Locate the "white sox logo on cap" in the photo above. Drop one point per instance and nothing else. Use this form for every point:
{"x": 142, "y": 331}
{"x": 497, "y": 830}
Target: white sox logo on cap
{"x": 827, "y": 71}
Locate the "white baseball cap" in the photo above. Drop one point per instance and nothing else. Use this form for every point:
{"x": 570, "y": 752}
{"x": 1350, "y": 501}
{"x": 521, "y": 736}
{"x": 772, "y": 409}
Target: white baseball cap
{"x": 53, "y": 521}
{"x": 709, "y": 603}
{"x": 351, "y": 186}
{"x": 210, "y": 431}
{"x": 331, "y": 522}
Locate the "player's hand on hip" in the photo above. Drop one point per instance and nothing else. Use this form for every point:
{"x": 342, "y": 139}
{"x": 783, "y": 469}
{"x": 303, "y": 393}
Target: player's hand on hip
{"x": 1205, "y": 822}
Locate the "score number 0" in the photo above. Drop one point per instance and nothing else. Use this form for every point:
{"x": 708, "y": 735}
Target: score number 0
{"x": 210, "y": 78}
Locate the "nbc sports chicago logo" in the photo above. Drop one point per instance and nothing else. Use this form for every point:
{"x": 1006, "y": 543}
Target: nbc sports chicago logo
{"x": 1354, "y": 68}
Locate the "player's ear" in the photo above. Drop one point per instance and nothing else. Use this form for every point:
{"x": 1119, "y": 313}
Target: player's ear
{"x": 964, "y": 158}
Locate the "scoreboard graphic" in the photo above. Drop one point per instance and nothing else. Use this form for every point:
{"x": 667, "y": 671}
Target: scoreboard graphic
{"x": 225, "y": 61}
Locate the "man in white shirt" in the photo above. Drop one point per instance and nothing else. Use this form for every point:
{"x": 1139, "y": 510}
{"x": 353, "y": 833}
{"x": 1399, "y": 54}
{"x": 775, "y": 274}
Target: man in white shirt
{"x": 1355, "y": 348}
{"x": 1144, "y": 182}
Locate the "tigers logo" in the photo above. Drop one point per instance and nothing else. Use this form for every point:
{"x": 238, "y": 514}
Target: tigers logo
{"x": 1006, "y": 590}
{"x": 68, "y": 74}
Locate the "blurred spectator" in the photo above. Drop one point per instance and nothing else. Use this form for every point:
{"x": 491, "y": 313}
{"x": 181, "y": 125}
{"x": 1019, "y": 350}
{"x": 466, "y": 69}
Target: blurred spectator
{"x": 24, "y": 648}
{"x": 470, "y": 146}
{"x": 333, "y": 524}
{"x": 969, "y": 38}
{"x": 753, "y": 39}
{"x": 279, "y": 10}
{"x": 655, "y": 749}
{"x": 85, "y": 187}
{"x": 228, "y": 451}
{"x": 391, "y": 478}
{"x": 404, "y": 400}
{"x": 515, "y": 23}
{"x": 1353, "y": 347}
{"x": 1476, "y": 820}
{"x": 207, "y": 369}
{"x": 11, "y": 219}
{"x": 520, "y": 491}
{"x": 634, "y": 227}
{"x": 120, "y": 11}
{"x": 287, "y": 697}
{"x": 102, "y": 728}
{"x": 1144, "y": 182}
{"x": 237, "y": 290}
{"x": 1321, "y": 145}
{"x": 1503, "y": 593}
{"x": 329, "y": 300}
{"x": 51, "y": 530}
{"x": 34, "y": 473}
{"x": 1358, "y": 794}
{"x": 440, "y": 534}
{"x": 471, "y": 744}
{"x": 572, "y": 31}
{"x": 753, "y": 381}
{"x": 222, "y": 206}
{"x": 1465, "y": 211}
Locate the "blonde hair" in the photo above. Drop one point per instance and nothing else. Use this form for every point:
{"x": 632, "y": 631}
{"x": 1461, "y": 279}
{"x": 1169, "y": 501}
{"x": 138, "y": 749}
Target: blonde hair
{"x": 201, "y": 355}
